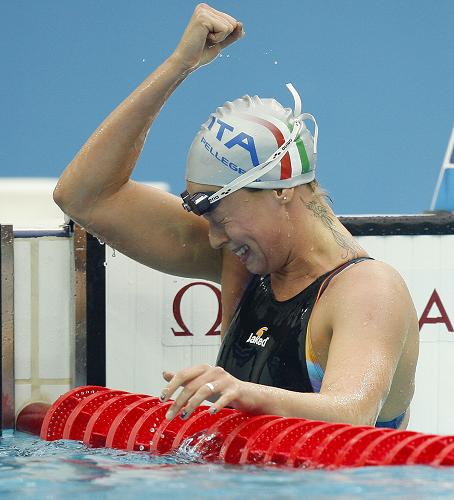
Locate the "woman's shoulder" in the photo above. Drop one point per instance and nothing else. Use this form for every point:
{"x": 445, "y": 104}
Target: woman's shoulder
{"x": 370, "y": 283}
{"x": 370, "y": 271}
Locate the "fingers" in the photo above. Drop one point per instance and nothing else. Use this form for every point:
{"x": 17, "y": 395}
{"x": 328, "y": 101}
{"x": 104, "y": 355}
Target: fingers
{"x": 203, "y": 36}
{"x": 236, "y": 34}
{"x": 219, "y": 28}
{"x": 167, "y": 376}
{"x": 219, "y": 24}
{"x": 228, "y": 396}
{"x": 219, "y": 31}
{"x": 223, "y": 401}
{"x": 190, "y": 398}
{"x": 203, "y": 7}
{"x": 182, "y": 378}
{"x": 200, "y": 383}
{"x": 218, "y": 12}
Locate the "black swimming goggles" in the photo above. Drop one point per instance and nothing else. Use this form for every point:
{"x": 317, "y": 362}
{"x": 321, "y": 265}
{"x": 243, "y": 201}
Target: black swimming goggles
{"x": 199, "y": 202}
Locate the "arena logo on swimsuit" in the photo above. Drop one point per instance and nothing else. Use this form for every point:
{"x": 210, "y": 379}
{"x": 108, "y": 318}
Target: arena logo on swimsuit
{"x": 257, "y": 337}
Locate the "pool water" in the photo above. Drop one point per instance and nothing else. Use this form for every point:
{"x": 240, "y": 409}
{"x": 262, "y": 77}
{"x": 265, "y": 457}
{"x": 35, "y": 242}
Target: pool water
{"x": 33, "y": 468}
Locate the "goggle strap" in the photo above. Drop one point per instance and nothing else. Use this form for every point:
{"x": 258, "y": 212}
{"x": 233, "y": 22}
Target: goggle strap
{"x": 297, "y": 100}
{"x": 308, "y": 116}
{"x": 304, "y": 116}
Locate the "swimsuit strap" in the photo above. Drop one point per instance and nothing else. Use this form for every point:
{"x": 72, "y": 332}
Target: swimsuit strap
{"x": 336, "y": 271}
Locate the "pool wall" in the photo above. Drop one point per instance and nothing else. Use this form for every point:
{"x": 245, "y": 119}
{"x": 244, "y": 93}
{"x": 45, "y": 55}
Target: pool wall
{"x": 43, "y": 309}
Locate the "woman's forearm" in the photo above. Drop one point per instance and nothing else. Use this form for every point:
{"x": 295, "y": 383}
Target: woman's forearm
{"x": 351, "y": 409}
{"x": 107, "y": 159}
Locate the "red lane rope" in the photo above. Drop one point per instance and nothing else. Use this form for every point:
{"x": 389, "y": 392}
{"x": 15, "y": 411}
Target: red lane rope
{"x": 98, "y": 426}
{"x": 55, "y": 419}
{"x": 194, "y": 429}
{"x": 117, "y": 419}
{"x": 78, "y": 419}
{"x": 123, "y": 423}
{"x": 258, "y": 444}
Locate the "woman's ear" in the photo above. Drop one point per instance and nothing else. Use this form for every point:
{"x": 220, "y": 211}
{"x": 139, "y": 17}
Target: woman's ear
{"x": 284, "y": 196}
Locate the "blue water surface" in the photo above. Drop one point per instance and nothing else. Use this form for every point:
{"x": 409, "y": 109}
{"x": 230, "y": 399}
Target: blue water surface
{"x": 31, "y": 468}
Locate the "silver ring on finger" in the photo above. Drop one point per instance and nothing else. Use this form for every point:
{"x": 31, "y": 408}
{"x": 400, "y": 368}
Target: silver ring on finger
{"x": 210, "y": 386}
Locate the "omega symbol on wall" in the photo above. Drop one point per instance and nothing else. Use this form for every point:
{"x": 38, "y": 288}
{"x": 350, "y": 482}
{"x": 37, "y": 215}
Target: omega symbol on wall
{"x": 184, "y": 330}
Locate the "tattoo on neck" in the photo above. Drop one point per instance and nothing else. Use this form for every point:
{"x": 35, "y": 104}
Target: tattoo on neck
{"x": 346, "y": 242}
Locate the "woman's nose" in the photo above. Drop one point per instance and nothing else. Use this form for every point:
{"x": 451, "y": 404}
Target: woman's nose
{"x": 217, "y": 236}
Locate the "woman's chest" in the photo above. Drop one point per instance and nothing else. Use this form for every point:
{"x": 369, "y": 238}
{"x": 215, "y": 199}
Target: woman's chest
{"x": 266, "y": 341}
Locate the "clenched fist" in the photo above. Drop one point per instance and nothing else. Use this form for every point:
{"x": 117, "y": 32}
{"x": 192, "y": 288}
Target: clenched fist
{"x": 207, "y": 33}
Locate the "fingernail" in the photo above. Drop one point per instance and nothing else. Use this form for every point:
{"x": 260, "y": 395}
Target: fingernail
{"x": 169, "y": 415}
{"x": 162, "y": 397}
{"x": 183, "y": 415}
{"x": 212, "y": 410}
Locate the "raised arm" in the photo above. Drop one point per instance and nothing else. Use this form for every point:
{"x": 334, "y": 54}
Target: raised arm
{"x": 96, "y": 190}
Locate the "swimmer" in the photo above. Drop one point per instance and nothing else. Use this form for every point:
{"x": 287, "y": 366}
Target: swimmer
{"x": 312, "y": 326}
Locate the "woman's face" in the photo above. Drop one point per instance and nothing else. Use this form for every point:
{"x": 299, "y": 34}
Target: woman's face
{"x": 251, "y": 224}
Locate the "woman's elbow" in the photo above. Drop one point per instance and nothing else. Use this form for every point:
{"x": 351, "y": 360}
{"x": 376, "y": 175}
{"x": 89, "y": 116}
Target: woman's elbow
{"x": 72, "y": 199}
{"x": 363, "y": 419}
{"x": 58, "y": 196}
{"x": 359, "y": 412}
{"x": 64, "y": 199}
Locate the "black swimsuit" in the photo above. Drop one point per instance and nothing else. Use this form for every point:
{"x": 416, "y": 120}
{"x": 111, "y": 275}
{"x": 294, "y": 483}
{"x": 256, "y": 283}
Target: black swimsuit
{"x": 266, "y": 342}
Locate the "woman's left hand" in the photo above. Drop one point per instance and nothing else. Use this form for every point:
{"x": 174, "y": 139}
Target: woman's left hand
{"x": 200, "y": 383}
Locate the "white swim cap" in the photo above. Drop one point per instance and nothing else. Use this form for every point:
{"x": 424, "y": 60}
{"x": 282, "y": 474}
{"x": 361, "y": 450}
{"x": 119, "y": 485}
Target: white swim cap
{"x": 245, "y": 133}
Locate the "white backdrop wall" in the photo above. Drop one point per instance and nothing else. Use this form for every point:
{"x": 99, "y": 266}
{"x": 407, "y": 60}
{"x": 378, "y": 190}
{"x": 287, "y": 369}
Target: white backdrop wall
{"x": 42, "y": 319}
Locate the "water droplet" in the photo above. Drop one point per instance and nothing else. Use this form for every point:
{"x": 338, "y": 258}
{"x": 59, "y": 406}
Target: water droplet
{"x": 275, "y": 62}
{"x": 105, "y": 264}
{"x": 113, "y": 253}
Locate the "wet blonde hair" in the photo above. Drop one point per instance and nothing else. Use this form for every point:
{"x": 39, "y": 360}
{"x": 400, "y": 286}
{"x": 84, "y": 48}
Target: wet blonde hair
{"x": 318, "y": 191}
